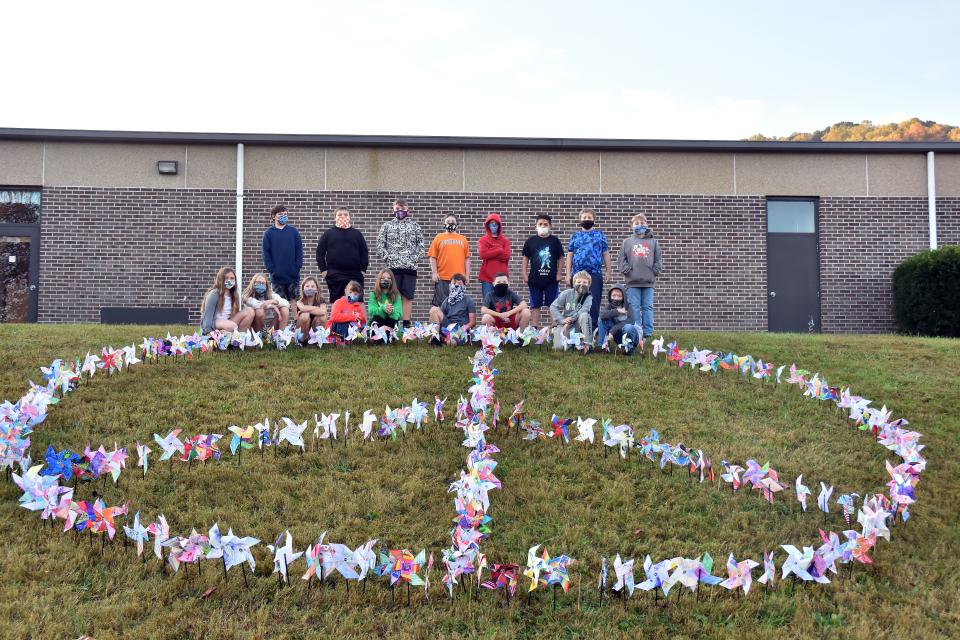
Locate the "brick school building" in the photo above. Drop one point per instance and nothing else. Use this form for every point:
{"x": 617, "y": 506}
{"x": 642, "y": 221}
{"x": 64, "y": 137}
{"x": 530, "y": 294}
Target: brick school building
{"x": 757, "y": 236}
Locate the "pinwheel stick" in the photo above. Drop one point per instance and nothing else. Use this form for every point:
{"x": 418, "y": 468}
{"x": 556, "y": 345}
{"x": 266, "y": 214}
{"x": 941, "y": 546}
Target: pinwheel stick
{"x": 225, "y": 578}
{"x": 243, "y": 567}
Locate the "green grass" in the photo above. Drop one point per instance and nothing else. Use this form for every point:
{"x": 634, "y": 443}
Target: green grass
{"x": 573, "y": 500}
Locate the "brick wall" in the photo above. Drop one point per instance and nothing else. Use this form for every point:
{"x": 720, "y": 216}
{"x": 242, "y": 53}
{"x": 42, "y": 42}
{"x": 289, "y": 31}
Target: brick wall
{"x": 713, "y": 245}
{"x": 130, "y": 247}
{"x": 162, "y": 247}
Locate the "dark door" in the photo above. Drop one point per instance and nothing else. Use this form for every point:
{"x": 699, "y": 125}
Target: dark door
{"x": 793, "y": 265}
{"x": 19, "y": 265}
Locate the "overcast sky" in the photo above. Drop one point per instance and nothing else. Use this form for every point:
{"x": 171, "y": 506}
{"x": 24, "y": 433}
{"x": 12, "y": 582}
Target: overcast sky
{"x": 710, "y": 70}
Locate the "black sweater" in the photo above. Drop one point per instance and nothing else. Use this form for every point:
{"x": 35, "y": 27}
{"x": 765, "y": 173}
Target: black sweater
{"x": 342, "y": 252}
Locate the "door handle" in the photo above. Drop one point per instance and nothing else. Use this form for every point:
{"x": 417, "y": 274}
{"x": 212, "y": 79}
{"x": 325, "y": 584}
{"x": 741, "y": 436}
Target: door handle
{"x": 33, "y": 287}
{"x": 773, "y": 294}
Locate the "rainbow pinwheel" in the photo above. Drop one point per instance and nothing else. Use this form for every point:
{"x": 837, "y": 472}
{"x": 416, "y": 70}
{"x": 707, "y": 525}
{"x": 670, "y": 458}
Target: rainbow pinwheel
{"x": 242, "y": 437}
{"x": 503, "y": 576}
{"x": 740, "y": 574}
{"x": 402, "y": 566}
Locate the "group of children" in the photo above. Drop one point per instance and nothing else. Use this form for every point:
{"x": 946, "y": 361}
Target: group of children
{"x": 625, "y": 319}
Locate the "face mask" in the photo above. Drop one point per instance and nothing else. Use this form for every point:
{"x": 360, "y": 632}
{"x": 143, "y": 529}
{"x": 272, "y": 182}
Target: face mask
{"x": 587, "y": 224}
{"x": 229, "y": 283}
{"x": 616, "y": 301}
{"x": 581, "y": 289}
{"x": 455, "y": 290}
{"x": 640, "y": 229}
{"x": 385, "y": 284}
{"x": 451, "y": 226}
{"x": 543, "y": 232}
{"x": 400, "y": 214}
{"x": 501, "y": 289}
{"x": 309, "y": 292}
{"x": 282, "y": 218}
{"x": 260, "y": 288}
{"x": 352, "y": 297}
{"x": 494, "y": 228}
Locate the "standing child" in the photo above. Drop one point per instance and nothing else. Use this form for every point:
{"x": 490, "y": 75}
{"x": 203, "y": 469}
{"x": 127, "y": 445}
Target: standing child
{"x": 383, "y": 305}
{"x": 269, "y": 309}
{"x": 494, "y": 250}
{"x": 588, "y": 251}
{"x": 347, "y": 310}
{"x": 221, "y": 309}
{"x": 540, "y": 267}
{"x": 641, "y": 261}
{"x": 311, "y": 310}
{"x": 400, "y": 246}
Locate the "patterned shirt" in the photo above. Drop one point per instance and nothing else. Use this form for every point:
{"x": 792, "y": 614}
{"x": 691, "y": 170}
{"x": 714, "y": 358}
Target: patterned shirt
{"x": 400, "y": 244}
{"x": 587, "y": 249}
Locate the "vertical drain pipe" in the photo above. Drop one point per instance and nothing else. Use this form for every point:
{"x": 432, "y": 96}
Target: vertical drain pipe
{"x": 238, "y": 266}
{"x": 932, "y": 198}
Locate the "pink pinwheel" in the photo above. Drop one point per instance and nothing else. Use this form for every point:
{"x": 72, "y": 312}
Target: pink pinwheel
{"x": 740, "y": 574}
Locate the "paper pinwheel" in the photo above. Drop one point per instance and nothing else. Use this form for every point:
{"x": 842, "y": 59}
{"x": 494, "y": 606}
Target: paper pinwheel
{"x": 823, "y": 500}
{"x": 292, "y": 433}
{"x": 137, "y": 533}
{"x": 242, "y": 437}
{"x": 803, "y": 492}
{"x": 769, "y": 569}
{"x": 283, "y": 555}
{"x": 170, "y": 445}
{"x": 142, "y": 452}
{"x": 503, "y": 576}
{"x": 740, "y": 574}
{"x": 624, "y": 572}
{"x": 366, "y": 427}
{"x": 402, "y": 565}
{"x": 585, "y": 430}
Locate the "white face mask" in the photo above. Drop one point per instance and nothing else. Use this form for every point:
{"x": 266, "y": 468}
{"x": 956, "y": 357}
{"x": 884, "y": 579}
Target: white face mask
{"x": 543, "y": 232}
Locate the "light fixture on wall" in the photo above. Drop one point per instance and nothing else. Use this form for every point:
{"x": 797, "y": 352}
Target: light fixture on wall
{"x": 167, "y": 167}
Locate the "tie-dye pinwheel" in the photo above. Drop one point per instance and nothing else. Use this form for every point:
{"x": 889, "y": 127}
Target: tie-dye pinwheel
{"x": 740, "y": 574}
{"x": 503, "y": 576}
{"x": 402, "y": 566}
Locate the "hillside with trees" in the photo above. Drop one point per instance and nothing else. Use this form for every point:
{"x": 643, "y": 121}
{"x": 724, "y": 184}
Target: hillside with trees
{"x": 912, "y": 130}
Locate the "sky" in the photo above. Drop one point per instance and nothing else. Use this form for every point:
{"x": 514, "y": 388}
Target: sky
{"x": 596, "y": 69}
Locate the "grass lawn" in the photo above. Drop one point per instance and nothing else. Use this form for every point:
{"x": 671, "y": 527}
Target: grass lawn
{"x": 573, "y": 500}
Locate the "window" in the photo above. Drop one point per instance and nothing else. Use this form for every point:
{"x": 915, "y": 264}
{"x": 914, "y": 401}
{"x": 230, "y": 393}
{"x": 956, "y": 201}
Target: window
{"x": 19, "y": 206}
{"x": 791, "y": 216}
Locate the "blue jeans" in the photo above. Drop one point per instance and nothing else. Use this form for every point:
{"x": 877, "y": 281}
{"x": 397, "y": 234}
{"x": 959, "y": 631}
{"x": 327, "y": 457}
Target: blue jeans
{"x": 631, "y": 330}
{"x": 640, "y": 308}
{"x": 485, "y": 289}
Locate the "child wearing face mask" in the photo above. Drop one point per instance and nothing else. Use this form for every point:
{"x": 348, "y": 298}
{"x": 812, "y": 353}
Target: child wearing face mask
{"x": 221, "y": 309}
{"x": 640, "y": 262}
{"x": 615, "y": 322}
{"x": 572, "y": 309}
{"x": 503, "y": 308}
{"x": 347, "y": 310}
{"x": 540, "y": 267}
{"x": 401, "y": 247}
{"x": 383, "y": 304}
{"x": 458, "y": 307}
{"x": 449, "y": 254}
{"x": 269, "y": 309}
{"x": 311, "y": 310}
{"x": 494, "y": 250}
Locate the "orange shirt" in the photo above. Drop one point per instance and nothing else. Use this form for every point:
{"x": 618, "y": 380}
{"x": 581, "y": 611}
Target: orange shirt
{"x": 451, "y": 251}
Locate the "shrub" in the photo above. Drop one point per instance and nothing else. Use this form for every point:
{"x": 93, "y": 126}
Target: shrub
{"x": 926, "y": 293}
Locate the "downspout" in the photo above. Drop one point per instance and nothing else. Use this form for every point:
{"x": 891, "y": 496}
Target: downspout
{"x": 932, "y": 198}
{"x": 238, "y": 266}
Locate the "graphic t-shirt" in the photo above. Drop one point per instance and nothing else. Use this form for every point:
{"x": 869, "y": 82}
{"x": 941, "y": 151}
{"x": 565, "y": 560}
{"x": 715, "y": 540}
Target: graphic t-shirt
{"x": 451, "y": 251}
{"x": 544, "y": 255}
{"x": 498, "y": 304}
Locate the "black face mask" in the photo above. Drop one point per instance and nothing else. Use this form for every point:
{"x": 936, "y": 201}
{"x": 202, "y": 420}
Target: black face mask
{"x": 385, "y": 284}
{"x": 501, "y": 289}
{"x": 587, "y": 224}
{"x": 451, "y": 226}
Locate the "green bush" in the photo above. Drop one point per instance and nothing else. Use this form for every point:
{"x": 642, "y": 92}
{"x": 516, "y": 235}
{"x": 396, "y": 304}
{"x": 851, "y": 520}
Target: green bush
{"x": 926, "y": 293}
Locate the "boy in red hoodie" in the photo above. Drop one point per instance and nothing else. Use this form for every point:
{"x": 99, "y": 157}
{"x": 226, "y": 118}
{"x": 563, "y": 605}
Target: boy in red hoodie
{"x": 347, "y": 310}
{"x": 494, "y": 250}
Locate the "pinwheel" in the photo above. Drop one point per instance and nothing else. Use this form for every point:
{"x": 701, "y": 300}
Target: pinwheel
{"x": 619, "y": 436}
{"x": 438, "y": 409}
{"x": 283, "y": 555}
{"x": 740, "y": 574}
{"x": 110, "y": 360}
{"x": 658, "y": 576}
{"x": 59, "y": 463}
{"x": 130, "y": 356}
{"x": 292, "y": 433}
{"x": 137, "y": 533}
{"x": 402, "y": 566}
{"x": 326, "y": 426}
{"x": 263, "y": 434}
{"x": 803, "y": 492}
{"x": 560, "y": 427}
{"x": 366, "y": 426}
{"x": 769, "y": 570}
{"x": 388, "y": 424}
{"x": 624, "y": 573}
{"x": 873, "y": 519}
{"x": 90, "y": 364}
{"x": 535, "y": 564}
{"x": 417, "y": 414}
{"x": 319, "y": 336}
{"x": 657, "y": 346}
{"x": 585, "y": 430}
{"x": 846, "y": 501}
{"x": 143, "y": 451}
{"x": 859, "y": 546}
{"x": 319, "y": 559}
{"x": 457, "y": 562}
{"x": 797, "y": 563}
{"x": 556, "y": 571}
{"x": 503, "y": 576}
{"x": 236, "y": 551}
{"x": 160, "y": 531}
{"x": 242, "y": 438}
{"x": 732, "y": 475}
{"x": 823, "y": 500}
{"x": 170, "y": 444}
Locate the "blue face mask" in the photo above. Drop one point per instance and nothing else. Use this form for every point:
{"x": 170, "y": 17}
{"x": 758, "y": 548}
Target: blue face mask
{"x": 260, "y": 288}
{"x": 352, "y": 297}
{"x": 494, "y": 227}
{"x": 282, "y": 218}
{"x": 640, "y": 229}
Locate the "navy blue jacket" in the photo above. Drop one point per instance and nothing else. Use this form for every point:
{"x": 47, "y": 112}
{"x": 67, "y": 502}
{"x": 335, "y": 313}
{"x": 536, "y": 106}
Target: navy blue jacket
{"x": 283, "y": 254}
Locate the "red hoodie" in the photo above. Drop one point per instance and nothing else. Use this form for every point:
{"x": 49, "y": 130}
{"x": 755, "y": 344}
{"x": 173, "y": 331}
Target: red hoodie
{"x": 345, "y": 311}
{"x": 494, "y": 251}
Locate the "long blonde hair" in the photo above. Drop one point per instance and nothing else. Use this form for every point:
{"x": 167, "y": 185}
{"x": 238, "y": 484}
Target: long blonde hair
{"x": 250, "y": 293}
{"x": 221, "y": 290}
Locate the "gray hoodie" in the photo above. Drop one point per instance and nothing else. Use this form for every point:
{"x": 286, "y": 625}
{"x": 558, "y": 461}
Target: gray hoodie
{"x": 568, "y": 306}
{"x": 640, "y": 260}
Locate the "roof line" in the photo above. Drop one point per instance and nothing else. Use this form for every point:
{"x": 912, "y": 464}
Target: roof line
{"x": 468, "y": 142}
